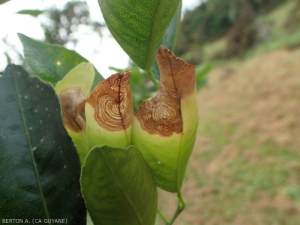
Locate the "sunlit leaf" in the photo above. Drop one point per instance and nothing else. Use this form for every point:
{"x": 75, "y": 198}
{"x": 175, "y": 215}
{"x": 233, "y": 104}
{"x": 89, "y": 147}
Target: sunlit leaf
{"x": 51, "y": 62}
{"x": 118, "y": 187}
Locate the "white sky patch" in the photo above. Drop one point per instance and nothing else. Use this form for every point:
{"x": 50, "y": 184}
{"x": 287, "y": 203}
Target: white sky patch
{"x": 102, "y": 52}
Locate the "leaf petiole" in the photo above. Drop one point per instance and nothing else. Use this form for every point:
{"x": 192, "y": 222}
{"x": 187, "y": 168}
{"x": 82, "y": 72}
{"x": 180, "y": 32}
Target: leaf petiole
{"x": 180, "y": 208}
{"x": 152, "y": 78}
{"x": 162, "y": 216}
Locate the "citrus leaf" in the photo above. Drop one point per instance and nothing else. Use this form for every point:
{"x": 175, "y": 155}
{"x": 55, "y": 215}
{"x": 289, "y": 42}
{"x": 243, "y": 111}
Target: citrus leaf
{"x": 73, "y": 91}
{"x": 169, "y": 38}
{"x": 51, "y": 62}
{"x": 118, "y": 187}
{"x": 39, "y": 165}
{"x": 109, "y": 112}
{"x": 164, "y": 127}
{"x": 138, "y": 25}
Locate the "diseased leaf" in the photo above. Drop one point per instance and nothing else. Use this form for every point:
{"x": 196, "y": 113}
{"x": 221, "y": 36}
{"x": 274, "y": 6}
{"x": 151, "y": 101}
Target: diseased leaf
{"x": 169, "y": 38}
{"x": 73, "y": 91}
{"x": 109, "y": 112}
{"x": 51, "y": 62}
{"x": 139, "y": 86}
{"x": 164, "y": 127}
{"x": 138, "y": 26}
{"x": 39, "y": 165}
{"x": 118, "y": 187}
{"x": 31, "y": 12}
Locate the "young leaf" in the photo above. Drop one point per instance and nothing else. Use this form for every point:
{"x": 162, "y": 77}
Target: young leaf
{"x": 73, "y": 91}
{"x": 118, "y": 187}
{"x": 164, "y": 127}
{"x": 51, "y": 62}
{"x": 39, "y": 165}
{"x": 138, "y": 26}
{"x": 109, "y": 112}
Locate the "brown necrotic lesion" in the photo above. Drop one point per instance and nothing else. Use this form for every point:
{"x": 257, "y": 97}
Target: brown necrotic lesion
{"x": 162, "y": 114}
{"x": 73, "y": 103}
{"x": 112, "y": 102}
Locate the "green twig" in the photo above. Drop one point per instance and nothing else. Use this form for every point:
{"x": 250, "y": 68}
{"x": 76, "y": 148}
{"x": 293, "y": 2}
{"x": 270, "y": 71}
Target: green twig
{"x": 180, "y": 208}
{"x": 162, "y": 216}
{"x": 152, "y": 78}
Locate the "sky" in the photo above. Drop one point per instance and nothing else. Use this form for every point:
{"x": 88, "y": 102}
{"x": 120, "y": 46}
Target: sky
{"x": 108, "y": 53}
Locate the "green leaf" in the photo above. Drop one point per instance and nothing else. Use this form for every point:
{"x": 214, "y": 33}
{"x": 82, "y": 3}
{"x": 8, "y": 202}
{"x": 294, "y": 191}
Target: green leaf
{"x": 39, "y": 165}
{"x": 138, "y": 26}
{"x": 31, "y": 12}
{"x": 73, "y": 91}
{"x": 51, "y": 62}
{"x": 109, "y": 112}
{"x": 118, "y": 187}
{"x": 201, "y": 75}
{"x": 3, "y": 1}
{"x": 169, "y": 38}
{"x": 164, "y": 127}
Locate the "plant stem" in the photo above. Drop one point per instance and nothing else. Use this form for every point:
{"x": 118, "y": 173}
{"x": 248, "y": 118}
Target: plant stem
{"x": 180, "y": 207}
{"x": 162, "y": 216}
{"x": 152, "y": 78}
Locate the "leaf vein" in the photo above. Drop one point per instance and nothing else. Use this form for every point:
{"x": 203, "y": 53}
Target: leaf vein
{"x": 123, "y": 191}
{"x": 30, "y": 146}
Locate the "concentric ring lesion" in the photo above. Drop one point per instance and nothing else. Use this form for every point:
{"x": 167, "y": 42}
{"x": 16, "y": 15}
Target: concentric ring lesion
{"x": 161, "y": 114}
{"x": 112, "y": 102}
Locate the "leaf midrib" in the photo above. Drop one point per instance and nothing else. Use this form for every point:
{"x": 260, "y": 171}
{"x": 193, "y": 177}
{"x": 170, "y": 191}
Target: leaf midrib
{"x": 151, "y": 37}
{"x": 123, "y": 191}
{"x": 30, "y": 146}
{"x": 119, "y": 109}
{"x": 182, "y": 133}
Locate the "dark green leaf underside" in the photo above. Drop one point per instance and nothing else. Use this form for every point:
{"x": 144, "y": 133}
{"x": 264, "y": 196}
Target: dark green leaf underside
{"x": 51, "y": 62}
{"x": 39, "y": 165}
{"x": 118, "y": 187}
